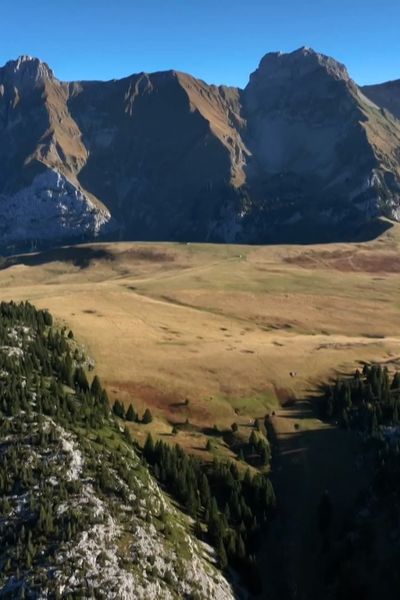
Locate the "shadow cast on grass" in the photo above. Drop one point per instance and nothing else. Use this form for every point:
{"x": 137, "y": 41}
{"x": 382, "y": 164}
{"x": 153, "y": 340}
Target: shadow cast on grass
{"x": 80, "y": 257}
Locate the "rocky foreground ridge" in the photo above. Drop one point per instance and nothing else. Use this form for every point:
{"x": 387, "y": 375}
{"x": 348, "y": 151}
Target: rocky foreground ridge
{"x": 81, "y": 515}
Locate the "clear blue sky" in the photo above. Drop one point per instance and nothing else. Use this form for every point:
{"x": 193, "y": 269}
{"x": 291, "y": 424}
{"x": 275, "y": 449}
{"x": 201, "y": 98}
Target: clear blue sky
{"x": 220, "y": 41}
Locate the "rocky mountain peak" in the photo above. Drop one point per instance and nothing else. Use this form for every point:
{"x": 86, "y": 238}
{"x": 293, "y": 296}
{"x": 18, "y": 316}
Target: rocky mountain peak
{"x": 26, "y": 71}
{"x": 298, "y": 82}
{"x": 280, "y": 66}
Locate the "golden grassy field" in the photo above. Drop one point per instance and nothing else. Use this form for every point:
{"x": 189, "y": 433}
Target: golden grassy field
{"x": 223, "y": 326}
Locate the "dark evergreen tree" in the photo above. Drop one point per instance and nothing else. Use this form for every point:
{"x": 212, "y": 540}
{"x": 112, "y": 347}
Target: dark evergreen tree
{"x": 131, "y": 414}
{"x": 147, "y": 417}
{"x": 118, "y": 409}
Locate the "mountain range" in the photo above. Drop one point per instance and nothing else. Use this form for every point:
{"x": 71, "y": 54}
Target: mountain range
{"x": 301, "y": 154}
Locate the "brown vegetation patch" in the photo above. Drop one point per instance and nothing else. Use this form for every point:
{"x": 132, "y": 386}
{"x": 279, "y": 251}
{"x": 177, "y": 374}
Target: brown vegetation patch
{"x": 147, "y": 254}
{"x": 146, "y": 394}
{"x": 348, "y": 260}
{"x": 170, "y": 404}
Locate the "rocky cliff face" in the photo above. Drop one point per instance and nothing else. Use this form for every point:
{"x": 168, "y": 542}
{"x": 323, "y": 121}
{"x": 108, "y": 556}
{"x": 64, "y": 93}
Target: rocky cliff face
{"x": 317, "y": 144}
{"x": 300, "y": 152}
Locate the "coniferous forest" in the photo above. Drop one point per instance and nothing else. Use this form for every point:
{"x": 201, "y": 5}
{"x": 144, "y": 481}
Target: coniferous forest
{"x": 235, "y": 509}
{"x": 368, "y": 400}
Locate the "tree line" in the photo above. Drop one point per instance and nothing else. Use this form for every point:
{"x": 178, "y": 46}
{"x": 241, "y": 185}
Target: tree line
{"x": 365, "y": 401}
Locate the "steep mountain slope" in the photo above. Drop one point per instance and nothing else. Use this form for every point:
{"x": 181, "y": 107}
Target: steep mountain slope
{"x": 385, "y": 95}
{"x": 80, "y": 514}
{"x": 301, "y": 152}
{"x": 159, "y": 146}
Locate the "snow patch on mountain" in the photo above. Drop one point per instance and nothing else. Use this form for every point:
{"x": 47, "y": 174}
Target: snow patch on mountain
{"x": 50, "y": 208}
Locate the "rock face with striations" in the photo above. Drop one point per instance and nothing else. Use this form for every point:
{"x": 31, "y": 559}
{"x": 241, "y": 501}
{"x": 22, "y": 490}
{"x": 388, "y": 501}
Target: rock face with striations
{"x": 322, "y": 153}
{"x": 301, "y": 153}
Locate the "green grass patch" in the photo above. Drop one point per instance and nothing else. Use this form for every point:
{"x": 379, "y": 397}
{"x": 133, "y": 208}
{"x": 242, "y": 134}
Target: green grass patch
{"x": 255, "y": 405}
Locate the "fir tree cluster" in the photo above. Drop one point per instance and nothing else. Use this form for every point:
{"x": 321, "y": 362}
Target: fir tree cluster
{"x": 256, "y": 450}
{"x": 234, "y": 508}
{"x": 130, "y": 414}
{"x": 366, "y": 401}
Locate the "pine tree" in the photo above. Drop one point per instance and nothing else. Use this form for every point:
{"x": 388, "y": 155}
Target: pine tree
{"x": 395, "y": 418}
{"x": 148, "y": 448}
{"x": 96, "y": 388}
{"x": 221, "y": 553}
{"x": 147, "y": 417}
{"x": 396, "y": 381}
{"x": 127, "y": 435}
{"x": 130, "y": 414}
{"x": 118, "y": 409}
{"x": 253, "y": 438}
{"x": 240, "y": 549}
{"x": 80, "y": 379}
{"x": 47, "y": 318}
